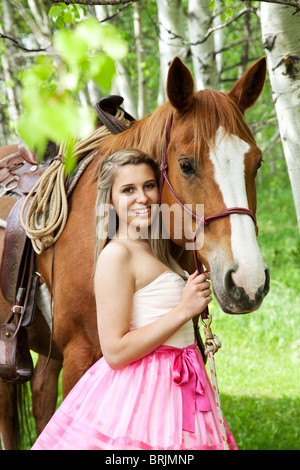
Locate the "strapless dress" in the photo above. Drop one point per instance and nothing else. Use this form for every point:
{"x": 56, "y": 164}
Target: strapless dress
{"x": 163, "y": 401}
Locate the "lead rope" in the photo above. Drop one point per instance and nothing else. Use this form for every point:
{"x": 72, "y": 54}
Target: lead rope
{"x": 212, "y": 345}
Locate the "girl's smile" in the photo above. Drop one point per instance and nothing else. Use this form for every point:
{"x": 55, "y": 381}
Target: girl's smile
{"x": 142, "y": 212}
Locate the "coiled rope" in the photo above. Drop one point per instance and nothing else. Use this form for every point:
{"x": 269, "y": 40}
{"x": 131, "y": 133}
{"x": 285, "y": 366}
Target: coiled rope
{"x": 47, "y": 213}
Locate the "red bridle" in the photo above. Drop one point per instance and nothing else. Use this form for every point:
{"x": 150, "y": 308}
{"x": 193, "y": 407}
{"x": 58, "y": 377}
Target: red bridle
{"x": 202, "y": 221}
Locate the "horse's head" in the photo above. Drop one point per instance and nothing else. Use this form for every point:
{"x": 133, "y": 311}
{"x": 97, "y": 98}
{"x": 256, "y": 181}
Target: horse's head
{"x": 213, "y": 160}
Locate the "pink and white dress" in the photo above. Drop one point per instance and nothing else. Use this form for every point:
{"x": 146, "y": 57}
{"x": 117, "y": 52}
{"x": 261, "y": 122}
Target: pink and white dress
{"x": 161, "y": 402}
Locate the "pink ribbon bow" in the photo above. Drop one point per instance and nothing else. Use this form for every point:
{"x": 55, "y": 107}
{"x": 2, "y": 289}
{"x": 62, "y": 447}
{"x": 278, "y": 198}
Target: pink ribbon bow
{"x": 187, "y": 373}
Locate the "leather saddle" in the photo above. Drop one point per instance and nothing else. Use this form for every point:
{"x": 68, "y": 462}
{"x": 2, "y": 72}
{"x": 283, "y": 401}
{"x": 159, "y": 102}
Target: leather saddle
{"x": 19, "y": 284}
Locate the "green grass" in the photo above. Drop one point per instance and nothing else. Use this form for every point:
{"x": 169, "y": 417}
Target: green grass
{"x": 258, "y": 364}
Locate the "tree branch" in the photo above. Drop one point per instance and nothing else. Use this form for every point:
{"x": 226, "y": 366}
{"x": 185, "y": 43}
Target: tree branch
{"x": 18, "y": 45}
{"x": 290, "y": 3}
{"x": 94, "y": 2}
{"x": 119, "y": 10}
{"x": 229, "y": 46}
{"x": 211, "y": 30}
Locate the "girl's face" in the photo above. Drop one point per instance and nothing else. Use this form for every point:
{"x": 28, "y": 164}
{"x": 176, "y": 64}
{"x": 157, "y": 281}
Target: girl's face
{"x": 133, "y": 192}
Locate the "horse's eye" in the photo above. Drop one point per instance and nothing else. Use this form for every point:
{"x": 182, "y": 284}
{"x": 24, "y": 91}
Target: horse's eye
{"x": 260, "y": 163}
{"x": 186, "y": 167}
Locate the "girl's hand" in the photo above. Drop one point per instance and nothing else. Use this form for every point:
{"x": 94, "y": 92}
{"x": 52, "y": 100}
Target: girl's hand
{"x": 196, "y": 295}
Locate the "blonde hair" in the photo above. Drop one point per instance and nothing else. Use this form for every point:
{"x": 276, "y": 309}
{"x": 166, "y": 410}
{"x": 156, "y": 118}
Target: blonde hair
{"x": 107, "y": 227}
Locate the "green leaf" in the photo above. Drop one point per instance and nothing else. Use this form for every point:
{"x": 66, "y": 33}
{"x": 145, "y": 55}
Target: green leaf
{"x": 60, "y": 22}
{"x": 54, "y": 12}
{"x": 71, "y": 47}
{"x": 68, "y": 17}
{"x": 212, "y": 6}
{"x": 31, "y": 135}
{"x": 86, "y": 122}
{"x": 112, "y": 44}
{"x": 60, "y": 118}
{"x": 90, "y": 31}
{"x": 70, "y": 157}
{"x": 50, "y": 90}
{"x": 102, "y": 70}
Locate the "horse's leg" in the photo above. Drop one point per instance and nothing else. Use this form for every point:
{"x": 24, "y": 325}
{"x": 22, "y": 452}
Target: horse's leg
{"x": 7, "y": 410}
{"x": 44, "y": 389}
{"x": 44, "y": 384}
{"x": 79, "y": 356}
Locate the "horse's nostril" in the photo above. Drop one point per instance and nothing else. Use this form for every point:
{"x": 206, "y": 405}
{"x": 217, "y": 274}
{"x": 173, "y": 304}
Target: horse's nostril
{"x": 267, "y": 283}
{"x": 230, "y": 286}
{"x": 238, "y": 293}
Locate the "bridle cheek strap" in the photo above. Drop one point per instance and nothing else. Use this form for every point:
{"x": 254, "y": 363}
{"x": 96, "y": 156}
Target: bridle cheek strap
{"x": 202, "y": 221}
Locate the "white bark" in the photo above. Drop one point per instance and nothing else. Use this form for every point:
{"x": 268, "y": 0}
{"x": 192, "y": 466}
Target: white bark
{"x": 41, "y": 39}
{"x": 122, "y": 81}
{"x": 101, "y": 12}
{"x": 140, "y": 56}
{"x": 7, "y": 67}
{"x": 125, "y": 88}
{"x": 281, "y": 37}
{"x": 40, "y": 16}
{"x": 205, "y": 68}
{"x": 218, "y": 40}
{"x": 170, "y": 19}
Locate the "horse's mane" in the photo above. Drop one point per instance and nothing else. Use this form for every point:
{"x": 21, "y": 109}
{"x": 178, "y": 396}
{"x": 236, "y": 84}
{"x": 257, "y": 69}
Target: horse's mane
{"x": 210, "y": 110}
{"x": 147, "y": 134}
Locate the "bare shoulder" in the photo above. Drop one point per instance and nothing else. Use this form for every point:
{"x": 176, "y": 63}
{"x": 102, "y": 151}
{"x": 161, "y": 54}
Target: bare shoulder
{"x": 113, "y": 259}
{"x": 115, "y": 250}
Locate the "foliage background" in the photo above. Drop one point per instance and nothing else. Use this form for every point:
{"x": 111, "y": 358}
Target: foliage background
{"x": 258, "y": 364}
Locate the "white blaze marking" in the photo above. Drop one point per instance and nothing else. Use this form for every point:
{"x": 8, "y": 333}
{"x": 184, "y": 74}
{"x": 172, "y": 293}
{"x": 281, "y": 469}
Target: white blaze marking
{"x": 228, "y": 161}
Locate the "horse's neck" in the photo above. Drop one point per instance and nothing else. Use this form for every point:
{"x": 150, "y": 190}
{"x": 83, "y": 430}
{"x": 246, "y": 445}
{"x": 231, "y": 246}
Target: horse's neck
{"x": 147, "y": 135}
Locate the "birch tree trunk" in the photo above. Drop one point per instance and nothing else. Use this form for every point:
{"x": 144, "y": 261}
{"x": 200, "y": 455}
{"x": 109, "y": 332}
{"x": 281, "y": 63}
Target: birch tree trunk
{"x": 218, "y": 41}
{"x": 281, "y": 38}
{"x": 40, "y": 16}
{"x": 122, "y": 81}
{"x": 140, "y": 56}
{"x": 170, "y": 19}
{"x": 7, "y": 67}
{"x": 205, "y": 67}
{"x": 32, "y": 21}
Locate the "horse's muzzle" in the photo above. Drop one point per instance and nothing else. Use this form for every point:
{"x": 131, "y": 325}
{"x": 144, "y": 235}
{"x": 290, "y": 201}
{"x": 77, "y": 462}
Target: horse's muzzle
{"x": 234, "y": 299}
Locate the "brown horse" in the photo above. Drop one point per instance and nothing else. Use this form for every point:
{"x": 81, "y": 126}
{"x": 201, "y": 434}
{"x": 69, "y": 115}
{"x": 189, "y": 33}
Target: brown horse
{"x": 213, "y": 160}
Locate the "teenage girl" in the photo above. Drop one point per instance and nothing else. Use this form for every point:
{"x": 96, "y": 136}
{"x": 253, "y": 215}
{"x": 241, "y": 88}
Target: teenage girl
{"x": 150, "y": 390}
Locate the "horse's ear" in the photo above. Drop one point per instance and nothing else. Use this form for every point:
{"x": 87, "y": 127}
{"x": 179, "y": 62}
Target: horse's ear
{"x": 249, "y": 87}
{"x": 180, "y": 85}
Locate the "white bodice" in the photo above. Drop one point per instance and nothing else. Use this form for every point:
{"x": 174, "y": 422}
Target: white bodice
{"x": 158, "y": 298}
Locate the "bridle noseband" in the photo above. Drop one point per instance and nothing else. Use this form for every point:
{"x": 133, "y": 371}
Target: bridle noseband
{"x": 202, "y": 221}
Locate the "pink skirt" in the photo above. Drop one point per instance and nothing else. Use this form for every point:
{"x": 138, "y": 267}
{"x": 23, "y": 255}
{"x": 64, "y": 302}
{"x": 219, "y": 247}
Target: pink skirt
{"x": 161, "y": 402}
